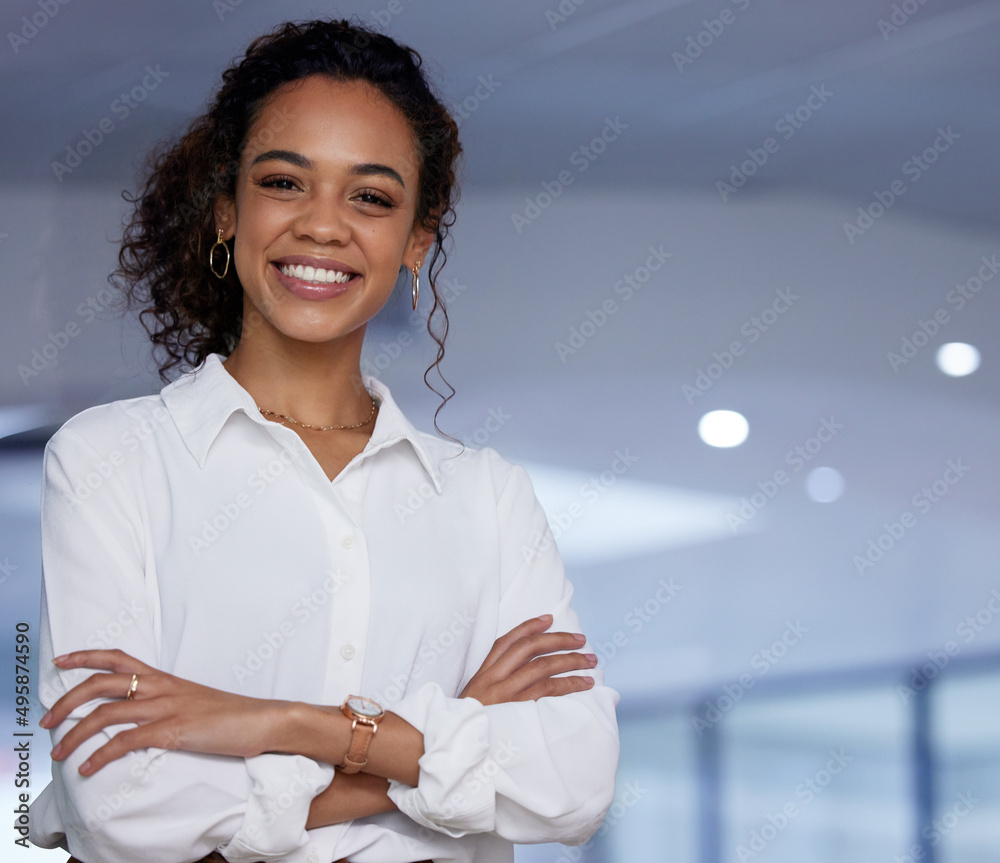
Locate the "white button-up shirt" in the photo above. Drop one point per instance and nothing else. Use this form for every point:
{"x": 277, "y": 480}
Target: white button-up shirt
{"x": 206, "y": 541}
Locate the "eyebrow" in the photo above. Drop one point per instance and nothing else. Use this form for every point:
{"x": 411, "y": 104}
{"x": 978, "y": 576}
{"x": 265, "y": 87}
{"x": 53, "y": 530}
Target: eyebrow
{"x": 364, "y": 169}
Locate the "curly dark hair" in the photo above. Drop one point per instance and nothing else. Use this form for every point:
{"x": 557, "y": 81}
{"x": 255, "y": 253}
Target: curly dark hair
{"x": 162, "y": 265}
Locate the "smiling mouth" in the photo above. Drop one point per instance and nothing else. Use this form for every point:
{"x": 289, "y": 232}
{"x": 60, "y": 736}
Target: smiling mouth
{"x": 315, "y": 275}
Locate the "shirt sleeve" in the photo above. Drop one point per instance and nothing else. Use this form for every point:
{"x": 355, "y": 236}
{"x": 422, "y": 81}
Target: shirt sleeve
{"x": 99, "y": 591}
{"x": 530, "y": 772}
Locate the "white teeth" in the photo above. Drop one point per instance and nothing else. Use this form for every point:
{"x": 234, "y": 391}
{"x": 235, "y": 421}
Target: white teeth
{"x": 314, "y": 274}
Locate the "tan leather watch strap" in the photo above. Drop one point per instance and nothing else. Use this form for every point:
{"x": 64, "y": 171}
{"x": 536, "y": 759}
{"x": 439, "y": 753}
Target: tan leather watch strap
{"x": 365, "y": 715}
{"x": 362, "y": 732}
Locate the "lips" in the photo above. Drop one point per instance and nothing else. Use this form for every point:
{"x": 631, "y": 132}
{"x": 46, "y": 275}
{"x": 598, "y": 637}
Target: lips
{"x": 316, "y": 271}
{"x": 314, "y": 278}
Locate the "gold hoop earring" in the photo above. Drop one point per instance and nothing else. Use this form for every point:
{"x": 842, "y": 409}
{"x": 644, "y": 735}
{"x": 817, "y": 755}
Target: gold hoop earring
{"x": 415, "y": 287}
{"x": 211, "y": 257}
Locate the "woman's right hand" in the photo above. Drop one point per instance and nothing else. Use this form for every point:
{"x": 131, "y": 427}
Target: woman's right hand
{"x": 522, "y": 664}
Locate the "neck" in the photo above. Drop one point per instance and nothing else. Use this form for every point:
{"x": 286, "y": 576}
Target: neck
{"x": 318, "y": 384}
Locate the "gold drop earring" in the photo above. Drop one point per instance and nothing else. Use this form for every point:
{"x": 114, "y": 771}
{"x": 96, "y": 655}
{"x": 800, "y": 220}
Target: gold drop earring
{"x": 415, "y": 287}
{"x": 211, "y": 257}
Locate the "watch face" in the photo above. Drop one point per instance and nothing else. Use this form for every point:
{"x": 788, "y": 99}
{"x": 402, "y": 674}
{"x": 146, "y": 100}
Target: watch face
{"x": 364, "y": 706}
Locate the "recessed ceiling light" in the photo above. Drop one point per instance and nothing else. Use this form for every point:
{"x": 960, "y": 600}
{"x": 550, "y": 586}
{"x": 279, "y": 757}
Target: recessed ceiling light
{"x": 723, "y": 428}
{"x": 824, "y": 484}
{"x": 957, "y": 359}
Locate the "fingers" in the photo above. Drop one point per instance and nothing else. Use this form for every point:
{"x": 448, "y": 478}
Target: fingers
{"x": 533, "y": 626}
{"x": 102, "y": 685}
{"x": 155, "y": 735}
{"x": 555, "y": 686}
{"x": 105, "y": 660}
{"x": 526, "y": 648}
{"x": 538, "y": 678}
{"x": 111, "y": 713}
{"x": 114, "y": 684}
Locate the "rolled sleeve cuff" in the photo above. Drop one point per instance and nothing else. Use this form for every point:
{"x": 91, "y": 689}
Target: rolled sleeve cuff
{"x": 273, "y": 826}
{"x": 455, "y": 794}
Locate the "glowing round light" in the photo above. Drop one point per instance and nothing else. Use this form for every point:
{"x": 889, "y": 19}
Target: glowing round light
{"x": 824, "y": 484}
{"x": 723, "y": 428}
{"x": 957, "y": 359}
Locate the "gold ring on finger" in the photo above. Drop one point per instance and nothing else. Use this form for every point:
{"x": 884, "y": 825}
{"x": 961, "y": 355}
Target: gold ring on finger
{"x": 132, "y": 687}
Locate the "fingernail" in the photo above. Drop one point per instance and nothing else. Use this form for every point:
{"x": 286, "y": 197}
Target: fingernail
{"x": 44, "y": 721}
{"x": 590, "y": 680}
{"x": 591, "y": 658}
{"x": 60, "y": 659}
{"x": 580, "y": 637}
{"x": 85, "y": 767}
{"x": 57, "y": 750}
{"x": 547, "y": 618}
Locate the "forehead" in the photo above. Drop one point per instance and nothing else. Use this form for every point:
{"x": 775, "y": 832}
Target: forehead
{"x": 334, "y": 122}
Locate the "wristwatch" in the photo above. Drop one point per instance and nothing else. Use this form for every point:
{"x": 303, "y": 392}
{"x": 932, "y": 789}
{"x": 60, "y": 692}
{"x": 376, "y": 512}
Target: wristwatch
{"x": 365, "y": 715}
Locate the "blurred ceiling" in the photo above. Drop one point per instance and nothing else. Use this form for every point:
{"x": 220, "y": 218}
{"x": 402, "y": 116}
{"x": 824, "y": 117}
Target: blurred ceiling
{"x": 696, "y": 83}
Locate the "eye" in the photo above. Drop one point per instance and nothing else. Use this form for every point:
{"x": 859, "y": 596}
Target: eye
{"x": 372, "y": 196}
{"x": 285, "y": 184}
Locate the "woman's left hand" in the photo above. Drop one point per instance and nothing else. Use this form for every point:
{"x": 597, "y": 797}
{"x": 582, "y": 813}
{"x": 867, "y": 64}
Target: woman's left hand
{"x": 170, "y": 712}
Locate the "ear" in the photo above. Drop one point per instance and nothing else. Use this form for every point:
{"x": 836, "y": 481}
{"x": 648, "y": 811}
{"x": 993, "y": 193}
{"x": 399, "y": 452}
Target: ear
{"x": 419, "y": 244}
{"x": 225, "y": 215}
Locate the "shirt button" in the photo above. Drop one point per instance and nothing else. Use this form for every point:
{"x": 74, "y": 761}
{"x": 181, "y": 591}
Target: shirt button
{"x": 348, "y": 652}
{"x": 347, "y": 542}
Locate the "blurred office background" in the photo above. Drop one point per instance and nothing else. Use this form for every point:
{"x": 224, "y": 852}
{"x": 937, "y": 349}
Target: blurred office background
{"x": 779, "y": 209}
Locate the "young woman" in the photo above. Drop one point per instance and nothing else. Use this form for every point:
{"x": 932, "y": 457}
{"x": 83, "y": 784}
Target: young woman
{"x": 294, "y": 661}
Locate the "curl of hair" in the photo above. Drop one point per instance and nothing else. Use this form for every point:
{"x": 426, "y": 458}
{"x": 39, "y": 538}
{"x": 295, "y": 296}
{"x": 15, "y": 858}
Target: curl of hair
{"x": 163, "y": 262}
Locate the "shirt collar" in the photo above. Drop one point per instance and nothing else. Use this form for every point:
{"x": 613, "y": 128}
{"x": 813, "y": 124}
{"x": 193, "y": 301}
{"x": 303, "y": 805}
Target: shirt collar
{"x": 202, "y": 400}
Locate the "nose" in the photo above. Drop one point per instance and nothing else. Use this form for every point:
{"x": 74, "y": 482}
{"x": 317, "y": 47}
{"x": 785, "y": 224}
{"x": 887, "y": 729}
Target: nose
{"x": 323, "y": 219}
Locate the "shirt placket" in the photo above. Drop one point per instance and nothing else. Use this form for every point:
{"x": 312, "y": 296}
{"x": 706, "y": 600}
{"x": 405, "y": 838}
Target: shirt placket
{"x": 350, "y": 607}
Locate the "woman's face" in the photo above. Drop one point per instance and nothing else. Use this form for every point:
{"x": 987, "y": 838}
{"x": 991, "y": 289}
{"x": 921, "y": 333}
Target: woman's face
{"x": 329, "y": 180}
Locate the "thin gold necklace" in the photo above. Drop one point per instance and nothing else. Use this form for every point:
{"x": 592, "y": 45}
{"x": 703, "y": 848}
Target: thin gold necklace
{"x": 294, "y": 421}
